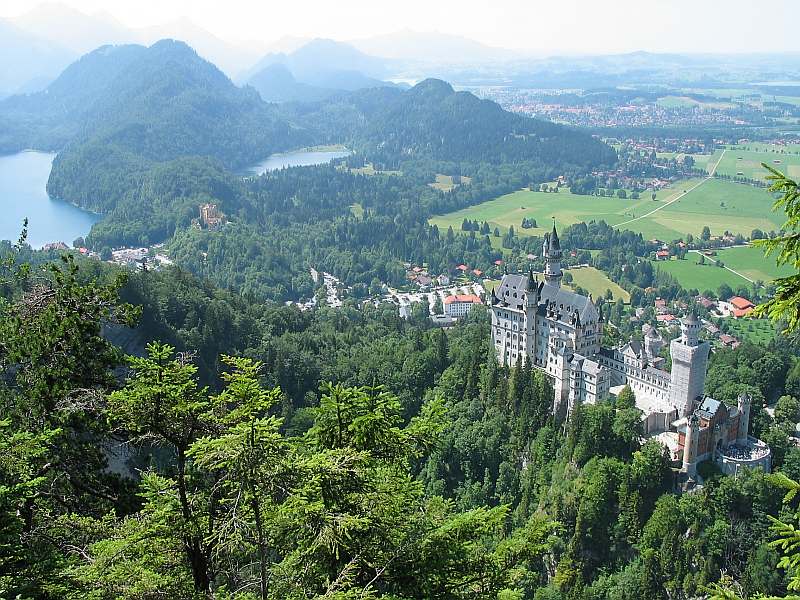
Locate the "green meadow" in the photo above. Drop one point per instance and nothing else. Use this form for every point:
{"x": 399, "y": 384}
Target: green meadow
{"x": 596, "y": 282}
{"x": 747, "y": 163}
{"x": 748, "y": 261}
{"x": 721, "y": 205}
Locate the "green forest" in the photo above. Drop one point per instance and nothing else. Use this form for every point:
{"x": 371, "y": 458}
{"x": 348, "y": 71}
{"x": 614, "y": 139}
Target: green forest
{"x": 249, "y": 450}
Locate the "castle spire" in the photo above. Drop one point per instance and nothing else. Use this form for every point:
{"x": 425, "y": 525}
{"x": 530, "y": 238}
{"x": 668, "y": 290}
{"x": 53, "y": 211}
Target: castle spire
{"x": 552, "y": 257}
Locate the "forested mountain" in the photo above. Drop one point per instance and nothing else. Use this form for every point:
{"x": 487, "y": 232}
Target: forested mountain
{"x": 433, "y": 121}
{"x": 120, "y": 111}
{"x": 275, "y": 83}
{"x": 294, "y": 476}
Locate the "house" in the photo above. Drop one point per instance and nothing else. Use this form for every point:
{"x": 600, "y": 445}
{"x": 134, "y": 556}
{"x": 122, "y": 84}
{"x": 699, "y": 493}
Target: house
{"x": 741, "y": 307}
{"x": 498, "y": 262}
{"x": 728, "y": 340}
{"x": 665, "y": 318}
{"x": 660, "y": 303}
{"x": 706, "y": 303}
{"x": 444, "y": 279}
{"x": 459, "y": 305}
{"x": 462, "y": 268}
{"x": 662, "y": 255}
{"x": 477, "y": 272}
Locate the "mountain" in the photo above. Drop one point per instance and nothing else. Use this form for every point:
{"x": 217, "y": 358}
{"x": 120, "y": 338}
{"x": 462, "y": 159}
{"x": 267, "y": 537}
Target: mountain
{"x": 275, "y": 83}
{"x": 72, "y": 29}
{"x": 230, "y": 58}
{"x": 120, "y": 112}
{"x": 80, "y": 33}
{"x": 434, "y": 122}
{"x": 326, "y": 63}
{"x": 28, "y": 61}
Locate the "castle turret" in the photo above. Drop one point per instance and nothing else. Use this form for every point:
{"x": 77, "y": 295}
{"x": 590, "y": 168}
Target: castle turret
{"x": 689, "y": 362}
{"x": 744, "y": 417}
{"x": 690, "y": 329}
{"x": 551, "y": 252}
{"x": 532, "y": 290}
{"x": 690, "y": 445}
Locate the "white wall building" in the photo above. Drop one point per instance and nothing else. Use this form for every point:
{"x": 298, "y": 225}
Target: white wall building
{"x": 459, "y": 305}
{"x": 560, "y": 332}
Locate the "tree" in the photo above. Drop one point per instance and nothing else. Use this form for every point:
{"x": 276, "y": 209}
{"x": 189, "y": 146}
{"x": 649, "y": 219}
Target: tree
{"x": 785, "y": 304}
{"x": 626, "y": 398}
{"x": 162, "y": 403}
{"x": 705, "y": 235}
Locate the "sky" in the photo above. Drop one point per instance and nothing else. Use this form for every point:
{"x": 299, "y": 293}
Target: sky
{"x": 537, "y": 26}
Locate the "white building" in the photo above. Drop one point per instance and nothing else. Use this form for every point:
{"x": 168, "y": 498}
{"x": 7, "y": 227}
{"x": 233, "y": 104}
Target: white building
{"x": 560, "y": 332}
{"x": 459, "y": 305}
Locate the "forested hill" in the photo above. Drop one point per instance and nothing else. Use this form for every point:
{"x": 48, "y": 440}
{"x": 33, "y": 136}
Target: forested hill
{"x": 431, "y": 120}
{"x": 144, "y": 106}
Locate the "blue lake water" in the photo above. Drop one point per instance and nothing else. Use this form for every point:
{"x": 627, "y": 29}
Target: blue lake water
{"x": 23, "y": 193}
{"x": 300, "y": 158}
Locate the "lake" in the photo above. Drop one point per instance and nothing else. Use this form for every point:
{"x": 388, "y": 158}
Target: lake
{"x": 23, "y": 193}
{"x": 299, "y": 158}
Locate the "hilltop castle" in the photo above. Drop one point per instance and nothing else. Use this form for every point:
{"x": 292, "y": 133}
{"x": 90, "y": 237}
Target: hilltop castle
{"x": 560, "y": 332}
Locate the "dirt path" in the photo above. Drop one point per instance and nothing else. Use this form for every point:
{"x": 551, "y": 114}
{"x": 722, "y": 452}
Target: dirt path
{"x": 715, "y": 261}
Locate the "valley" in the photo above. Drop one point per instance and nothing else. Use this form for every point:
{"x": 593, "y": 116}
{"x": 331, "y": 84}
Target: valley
{"x": 341, "y": 310}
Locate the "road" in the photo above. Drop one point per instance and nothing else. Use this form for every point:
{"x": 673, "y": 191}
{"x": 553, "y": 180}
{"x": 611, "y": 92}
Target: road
{"x": 714, "y": 260}
{"x": 679, "y": 196}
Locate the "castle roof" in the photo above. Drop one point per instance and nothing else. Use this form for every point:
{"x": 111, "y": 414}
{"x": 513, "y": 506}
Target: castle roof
{"x": 469, "y": 298}
{"x": 555, "y": 245}
{"x": 513, "y": 289}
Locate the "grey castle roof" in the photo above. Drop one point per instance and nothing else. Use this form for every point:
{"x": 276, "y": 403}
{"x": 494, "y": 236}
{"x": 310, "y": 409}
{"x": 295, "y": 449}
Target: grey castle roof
{"x": 513, "y": 290}
{"x": 555, "y": 245}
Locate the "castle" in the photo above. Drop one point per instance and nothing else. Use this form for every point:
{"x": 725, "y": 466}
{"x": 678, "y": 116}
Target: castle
{"x": 560, "y": 332}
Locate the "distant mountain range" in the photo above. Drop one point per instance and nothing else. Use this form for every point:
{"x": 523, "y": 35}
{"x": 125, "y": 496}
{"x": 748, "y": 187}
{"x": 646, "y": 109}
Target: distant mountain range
{"x": 316, "y": 70}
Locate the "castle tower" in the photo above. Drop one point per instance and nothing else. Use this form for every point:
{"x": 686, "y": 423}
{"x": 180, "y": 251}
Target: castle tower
{"x": 551, "y": 251}
{"x": 744, "y": 417}
{"x": 690, "y": 445}
{"x": 689, "y": 362}
{"x": 653, "y": 343}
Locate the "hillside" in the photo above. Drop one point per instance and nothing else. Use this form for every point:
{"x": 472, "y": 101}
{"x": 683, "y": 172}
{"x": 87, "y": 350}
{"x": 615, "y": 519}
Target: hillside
{"x": 433, "y": 121}
{"x": 120, "y": 110}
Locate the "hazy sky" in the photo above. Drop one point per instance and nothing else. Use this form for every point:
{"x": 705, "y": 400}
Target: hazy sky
{"x": 551, "y": 27}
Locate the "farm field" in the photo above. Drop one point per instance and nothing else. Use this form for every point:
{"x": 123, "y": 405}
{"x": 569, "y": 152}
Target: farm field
{"x": 567, "y": 208}
{"x": 691, "y": 275}
{"x": 722, "y": 205}
{"x": 751, "y": 262}
{"x": 700, "y": 160}
{"x": 747, "y": 163}
{"x": 590, "y": 279}
{"x": 748, "y": 261}
{"x": 595, "y": 281}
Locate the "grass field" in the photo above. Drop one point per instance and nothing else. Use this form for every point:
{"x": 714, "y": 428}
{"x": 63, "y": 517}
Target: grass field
{"x": 751, "y": 262}
{"x": 747, "y": 163}
{"x": 368, "y": 169}
{"x": 748, "y": 261}
{"x": 595, "y": 281}
{"x": 445, "y": 182}
{"x": 757, "y": 331}
{"x": 590, "y": 279}
{"x": 691, "y": 275}
{"x": 567, "y": 208}
{"x": 722, "y": 205}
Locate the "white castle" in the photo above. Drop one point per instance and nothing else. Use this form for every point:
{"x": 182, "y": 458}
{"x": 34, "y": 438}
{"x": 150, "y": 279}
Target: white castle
{"x": 560, "y": 332}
